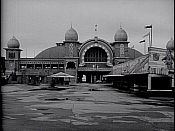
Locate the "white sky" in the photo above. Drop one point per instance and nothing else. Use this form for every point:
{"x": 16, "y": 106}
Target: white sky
{"x": 39, "y": 24}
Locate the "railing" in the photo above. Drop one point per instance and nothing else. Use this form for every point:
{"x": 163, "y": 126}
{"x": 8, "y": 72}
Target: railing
{"x": 140, "y": 65}
{"x": 94, "y": 69}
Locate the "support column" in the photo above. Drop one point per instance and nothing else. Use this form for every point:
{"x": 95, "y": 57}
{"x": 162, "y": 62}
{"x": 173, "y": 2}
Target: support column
{"x": 91, "y": 78}
{"x": 149, "y": 82}
{"x": 95, "y": 78}
{"x": 172, "y": 82}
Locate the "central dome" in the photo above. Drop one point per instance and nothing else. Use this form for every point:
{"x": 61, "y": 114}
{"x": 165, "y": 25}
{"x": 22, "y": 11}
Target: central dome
{"x": 71, "y": 35}
{"x": 13, "y": 43}
{"x": 121, "y": 35}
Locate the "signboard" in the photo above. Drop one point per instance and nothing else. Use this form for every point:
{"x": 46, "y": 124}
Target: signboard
{"x": 156, "y": 63}
{"x": 159, "y": 71}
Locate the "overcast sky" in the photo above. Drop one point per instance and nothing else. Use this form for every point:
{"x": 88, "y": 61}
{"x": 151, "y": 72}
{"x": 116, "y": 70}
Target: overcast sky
{"x": 39, "y": 24}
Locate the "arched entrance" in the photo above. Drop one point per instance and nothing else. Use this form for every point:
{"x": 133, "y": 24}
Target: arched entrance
{"x": 95, "y": 54}
{"x": 96, "y": 58}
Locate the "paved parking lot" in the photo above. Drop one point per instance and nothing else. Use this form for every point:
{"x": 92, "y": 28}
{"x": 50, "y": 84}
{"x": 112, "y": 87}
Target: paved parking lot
{"x": 84, "y": 107}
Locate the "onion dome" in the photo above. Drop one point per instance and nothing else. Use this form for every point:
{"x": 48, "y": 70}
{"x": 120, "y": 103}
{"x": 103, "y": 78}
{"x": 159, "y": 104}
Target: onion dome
{"x": 121, "y": 35}
{"x": 71, "y": 35}
{"x": 170, "y": 44}
{"x": 13, "y": 43}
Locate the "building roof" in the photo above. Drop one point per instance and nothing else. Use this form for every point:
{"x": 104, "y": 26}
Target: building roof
{"x": 132, "y": 53}
{"x": 61, "y": 75}
{"x": 53, "y": 52}
{"x": 59, "y": 52}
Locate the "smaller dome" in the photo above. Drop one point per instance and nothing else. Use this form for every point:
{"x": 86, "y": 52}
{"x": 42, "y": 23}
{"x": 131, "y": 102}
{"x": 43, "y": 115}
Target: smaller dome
{"x": 13, "y": 43}
{"x": 71, "y": 35}
{"x": 121, "y": 35}
{"x": 170, "y": 44}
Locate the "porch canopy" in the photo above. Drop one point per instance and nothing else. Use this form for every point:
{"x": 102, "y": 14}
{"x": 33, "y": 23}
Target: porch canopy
{"x": 61, "y": 75}
{"x": 117, "y": 75}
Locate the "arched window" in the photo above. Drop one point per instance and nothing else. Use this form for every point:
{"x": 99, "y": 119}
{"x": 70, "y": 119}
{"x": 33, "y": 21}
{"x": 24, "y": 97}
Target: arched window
{"x": 95, "y": 54}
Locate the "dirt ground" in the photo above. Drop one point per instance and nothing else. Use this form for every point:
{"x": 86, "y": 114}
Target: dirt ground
{"x": 82, "y": 107}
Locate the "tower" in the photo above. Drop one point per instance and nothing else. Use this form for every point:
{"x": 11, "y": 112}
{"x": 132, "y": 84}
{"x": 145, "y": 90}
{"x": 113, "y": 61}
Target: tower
{"x": 120, "y": 46}
{"x": 71, "y": 52}
{"x": 12, "y": 55}
{"x": 71, "y": 43}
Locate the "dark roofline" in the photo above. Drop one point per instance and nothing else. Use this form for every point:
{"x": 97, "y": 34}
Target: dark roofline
{"x": 13, "y": 49}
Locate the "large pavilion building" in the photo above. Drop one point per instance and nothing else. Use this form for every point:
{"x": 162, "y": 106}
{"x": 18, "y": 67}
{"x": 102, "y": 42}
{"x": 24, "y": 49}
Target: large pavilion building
{"x": 87, "y": 61}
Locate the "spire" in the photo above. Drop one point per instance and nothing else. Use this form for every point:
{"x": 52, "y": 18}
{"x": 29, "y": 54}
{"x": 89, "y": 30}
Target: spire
{"x": 96, "y": 26}
{"x": 13, "y": 37}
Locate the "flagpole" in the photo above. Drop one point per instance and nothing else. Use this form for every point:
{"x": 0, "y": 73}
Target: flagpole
{"x": 150, "y": 26}
{"x": 151, "y": 35}
{"x": 144, "y": 45}
{"x": 26, "y": 52}
{"x": 149, "y": 41}
{"x": 145, "y": 48}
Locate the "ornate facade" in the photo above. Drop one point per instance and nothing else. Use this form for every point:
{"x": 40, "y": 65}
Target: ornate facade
{"x": 88, "y": 61}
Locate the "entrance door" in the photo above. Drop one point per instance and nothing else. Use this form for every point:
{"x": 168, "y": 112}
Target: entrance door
{"x": 91, "y": 76}
{"x": 84, "y": 78}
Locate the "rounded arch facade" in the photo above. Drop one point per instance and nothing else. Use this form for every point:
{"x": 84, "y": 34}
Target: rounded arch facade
{"x": 96, "y": 43}
{"x": 95, "y": 54}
